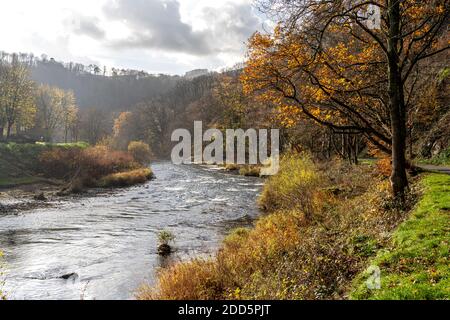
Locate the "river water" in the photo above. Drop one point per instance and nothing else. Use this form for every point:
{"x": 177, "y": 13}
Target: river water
{"x": 110, "y": 240}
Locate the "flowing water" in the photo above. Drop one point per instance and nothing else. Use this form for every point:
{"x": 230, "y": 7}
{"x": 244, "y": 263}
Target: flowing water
{"x": 107, "y": 243}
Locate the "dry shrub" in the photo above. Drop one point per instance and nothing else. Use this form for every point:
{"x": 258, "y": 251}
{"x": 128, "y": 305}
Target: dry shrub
{"x": 140, "y": 151}
{"x": 60, "y": 163}
{"x": 295, "y": 186}
{"x": 100, "y": 161}
{"x": 128, "y": 178}
{"x": 87, "y": 165}
{"x": 193, "y": 280}
{"x": 384, "y": 167}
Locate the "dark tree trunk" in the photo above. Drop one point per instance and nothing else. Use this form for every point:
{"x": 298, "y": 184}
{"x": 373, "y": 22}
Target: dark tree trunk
{"x": 399, "y": 179}
{"x": 8, "y": 131}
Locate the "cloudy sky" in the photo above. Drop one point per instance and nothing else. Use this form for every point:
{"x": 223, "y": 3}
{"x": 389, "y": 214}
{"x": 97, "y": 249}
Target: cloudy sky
{"x": 167, "y": 36}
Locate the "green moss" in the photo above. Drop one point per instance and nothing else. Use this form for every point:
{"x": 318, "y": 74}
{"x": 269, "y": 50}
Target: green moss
{"x": 416, "y": 264}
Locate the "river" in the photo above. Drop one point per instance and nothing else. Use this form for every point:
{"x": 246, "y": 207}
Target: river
{"x": 110, "y": 240}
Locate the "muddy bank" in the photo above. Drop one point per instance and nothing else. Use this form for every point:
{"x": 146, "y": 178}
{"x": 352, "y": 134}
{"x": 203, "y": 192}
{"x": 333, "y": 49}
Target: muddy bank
{"x": 17, "y": 199}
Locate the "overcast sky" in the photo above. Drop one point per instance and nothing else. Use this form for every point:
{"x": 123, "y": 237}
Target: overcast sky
{"x": 159, "y": 36}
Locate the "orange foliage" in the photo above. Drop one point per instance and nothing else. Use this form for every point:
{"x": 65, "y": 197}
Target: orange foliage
{"x": 384, "y": 167}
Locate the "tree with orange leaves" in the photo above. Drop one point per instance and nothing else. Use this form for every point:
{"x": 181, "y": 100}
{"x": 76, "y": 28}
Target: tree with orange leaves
{"x": 327, "y": 60}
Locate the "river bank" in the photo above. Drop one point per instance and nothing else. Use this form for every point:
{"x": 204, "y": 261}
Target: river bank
{"x": 109, "y": 240}
{"x": 71, "y": 167}
{"x": 326, "y": 223}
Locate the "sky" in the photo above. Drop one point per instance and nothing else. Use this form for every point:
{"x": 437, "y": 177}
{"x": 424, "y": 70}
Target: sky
{"x": 158, "y": 36}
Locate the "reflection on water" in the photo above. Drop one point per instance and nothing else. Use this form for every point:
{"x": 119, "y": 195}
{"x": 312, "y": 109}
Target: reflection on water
{"x": 106, "y": 245}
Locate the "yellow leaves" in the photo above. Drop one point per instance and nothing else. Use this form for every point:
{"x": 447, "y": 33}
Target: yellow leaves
{"x": 288, "y": 115}
{"x": 17, "y": 105}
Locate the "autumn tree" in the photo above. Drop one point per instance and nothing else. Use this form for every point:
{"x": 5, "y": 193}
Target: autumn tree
{"x": 95, "y": 125}
{"x": 123, "y": 130}
{"x": 50, "y": 102}
{"x": 328, "y": 60}
{"x": 69, "y": 113}
{"x": 238, "y": 110}
{"x": 140, "y": 151}
{"x": 3, "y": 95}
{"x": 17, "y": 107}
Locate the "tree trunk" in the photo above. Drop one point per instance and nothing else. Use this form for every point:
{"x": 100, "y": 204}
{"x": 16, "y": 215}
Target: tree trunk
{"x": 1, "y": 133}
{"x": 8, "y": 131}
{"x": 399, "y": 180}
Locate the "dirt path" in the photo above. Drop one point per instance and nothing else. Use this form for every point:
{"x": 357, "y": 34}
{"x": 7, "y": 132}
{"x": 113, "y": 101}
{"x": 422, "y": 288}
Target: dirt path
{"x": 433, "y": 168}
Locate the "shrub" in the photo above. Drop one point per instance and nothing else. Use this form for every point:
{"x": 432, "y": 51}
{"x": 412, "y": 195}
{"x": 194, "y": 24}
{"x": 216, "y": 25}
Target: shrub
{"x": 140, "y": 152}
{"x": 293, "y": 187}
{"x": 384, "y": 167}
{"x": 90, "y": 165}
{"x": 165, "y": 237}
{"x": 194, "y": 280}
{"x": 100, "y": 161}
{"x": 60, "y": 163}
{"x": 125, "y": 179}
{"x": 442, "y": 158}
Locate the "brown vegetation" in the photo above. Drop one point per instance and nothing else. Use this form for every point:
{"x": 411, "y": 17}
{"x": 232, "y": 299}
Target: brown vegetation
{"x": 97, "y": 166}
{"x": 140, "y": 152}
{"x": 128, "y": 178}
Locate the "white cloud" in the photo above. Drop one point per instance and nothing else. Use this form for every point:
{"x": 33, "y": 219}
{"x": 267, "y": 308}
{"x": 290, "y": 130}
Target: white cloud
{"x": 169, "y": 36}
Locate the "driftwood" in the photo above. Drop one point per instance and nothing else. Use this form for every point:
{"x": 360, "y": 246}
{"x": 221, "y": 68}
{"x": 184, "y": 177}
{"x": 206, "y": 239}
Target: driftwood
{"x": 71, "y": 186}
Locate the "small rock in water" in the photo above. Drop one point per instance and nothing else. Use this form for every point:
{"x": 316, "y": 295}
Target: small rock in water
{"x": 69, "y": 276}
{"x": 164, "y": 250}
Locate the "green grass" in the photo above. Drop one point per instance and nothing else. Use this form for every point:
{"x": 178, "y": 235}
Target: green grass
{"x": 416, "y": 265}
{"x": 81, "y": 144}
{"x": 442, "y": 159}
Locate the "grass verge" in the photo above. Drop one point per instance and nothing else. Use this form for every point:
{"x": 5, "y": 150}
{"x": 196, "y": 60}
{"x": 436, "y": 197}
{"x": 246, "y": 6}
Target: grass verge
{"x": 416, "y": 264}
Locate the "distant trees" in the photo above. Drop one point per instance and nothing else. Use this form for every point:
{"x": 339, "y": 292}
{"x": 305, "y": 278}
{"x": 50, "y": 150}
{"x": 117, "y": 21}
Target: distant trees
{"x": 29, "y": 111}
{"x": 17, "y": 108}
{"x": 56, "y": 109}
{"x": 70, "y": 116}
{"x": 95, "y": 125}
